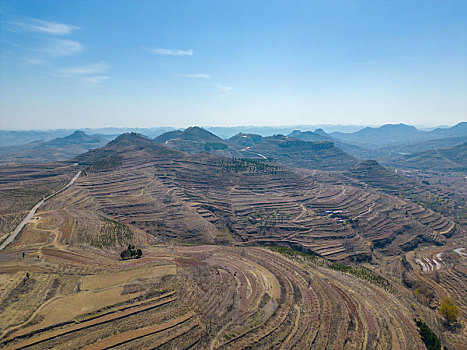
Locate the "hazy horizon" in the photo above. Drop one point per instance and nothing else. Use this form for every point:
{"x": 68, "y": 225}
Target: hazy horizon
{"x": 306, "y": 126}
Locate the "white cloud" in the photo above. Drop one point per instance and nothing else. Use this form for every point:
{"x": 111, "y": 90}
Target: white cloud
{"x": 225, "y": 90}
{"x": 39, "y": 26}
{"x": 93, "y": 73}
{"x": 93, "y": 68}
{"x": 172, "y": 52}
{"x": 35, "y": 61}
{"x": 197, "y": 76}
{"x": 95, "y": 79}
{"x": 62, "y": 47}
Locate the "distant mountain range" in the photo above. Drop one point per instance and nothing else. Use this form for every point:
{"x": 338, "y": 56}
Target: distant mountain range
{"x": 286, "y": 150}
{"x": 398, "y": 134}
{"x": 16, "y": 137}
{"x": 401, "y": 146}
{"x": 61, "y": 148}
{"x": 20, "y": 137}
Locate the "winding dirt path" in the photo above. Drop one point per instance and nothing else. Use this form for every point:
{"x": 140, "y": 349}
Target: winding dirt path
{"x": 32, "y": 212}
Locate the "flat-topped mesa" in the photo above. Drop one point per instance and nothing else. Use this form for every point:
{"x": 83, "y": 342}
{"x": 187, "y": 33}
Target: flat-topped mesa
{"x": 317, "y": 135}
{"x": 323, "y": 155}
{"x": 245, "y": 139}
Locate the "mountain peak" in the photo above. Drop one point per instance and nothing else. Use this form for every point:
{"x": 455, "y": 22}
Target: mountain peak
{"x": 368, "y": 163}
{"x": 169, "y": 135}
{"x": 369, "y": 167}
{"x": 195, "y": 133}
{"x": 78, "y": 133}
{"x": 77, "y": 137}
{"x": 131, "y": 138}
{"x": 400, "y": 126}
{"x": 127, "y": 143}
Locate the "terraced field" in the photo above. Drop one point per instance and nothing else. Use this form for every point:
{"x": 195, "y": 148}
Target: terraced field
{"x": 197, "y": 198}
{"x": 300, "y": 306}
{"x": 427, "y": 203}
{"x": 199, "y": 297}
{"x": 377, "y": 261}
{"x": 445, "y": 270}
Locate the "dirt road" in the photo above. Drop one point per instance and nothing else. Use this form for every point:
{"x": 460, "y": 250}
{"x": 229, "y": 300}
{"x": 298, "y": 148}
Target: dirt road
{"x": 32, "y": 212}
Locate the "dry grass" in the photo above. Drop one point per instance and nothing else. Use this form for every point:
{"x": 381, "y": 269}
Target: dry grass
{"x": 108, "y": 280}
{"x": 66, "y": 308}
{"x": 235, "y": 296}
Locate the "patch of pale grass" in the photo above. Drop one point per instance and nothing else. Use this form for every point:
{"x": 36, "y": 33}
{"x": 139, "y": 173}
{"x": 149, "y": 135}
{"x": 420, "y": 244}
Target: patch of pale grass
{"x": 112, "y": 279}
{"x": 68, "y": 307}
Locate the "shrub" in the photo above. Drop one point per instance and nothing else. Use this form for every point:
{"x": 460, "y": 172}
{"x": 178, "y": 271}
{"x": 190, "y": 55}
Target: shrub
{"x": 360, "y": 272}
{"x": 131, "y": 253}
{"x": 111, "y": 162}
{"x": 449, "y": 310}
{"x": 111, "y": 234}
{"x": 429, "y": 337}
{"x": 214, "y": 146}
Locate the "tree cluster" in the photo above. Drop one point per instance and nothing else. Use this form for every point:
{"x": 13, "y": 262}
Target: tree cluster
{"x": 248, "y": 165}
{"x": 449, "y": 310}
{"x": 214, "y": 146}
{"x": 360, "y": 272}
{"x": 429, "y": 337}
{"x": 131, "y": 253}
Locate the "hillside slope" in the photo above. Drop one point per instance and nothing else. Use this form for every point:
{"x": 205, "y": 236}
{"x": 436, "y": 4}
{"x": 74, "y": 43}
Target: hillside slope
{"x": 62, "y": 148}
{"x": 302, "y": 154}
{"x": 450, "y": 158}
{"x": 125, "y": 146}
{"x": 175, "y": 196}
{"x": 376, "y": 261}
{"x": 194, "y": 140}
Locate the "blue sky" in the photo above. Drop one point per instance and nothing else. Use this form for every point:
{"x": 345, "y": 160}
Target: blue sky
{"x": 72, "y": 64}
